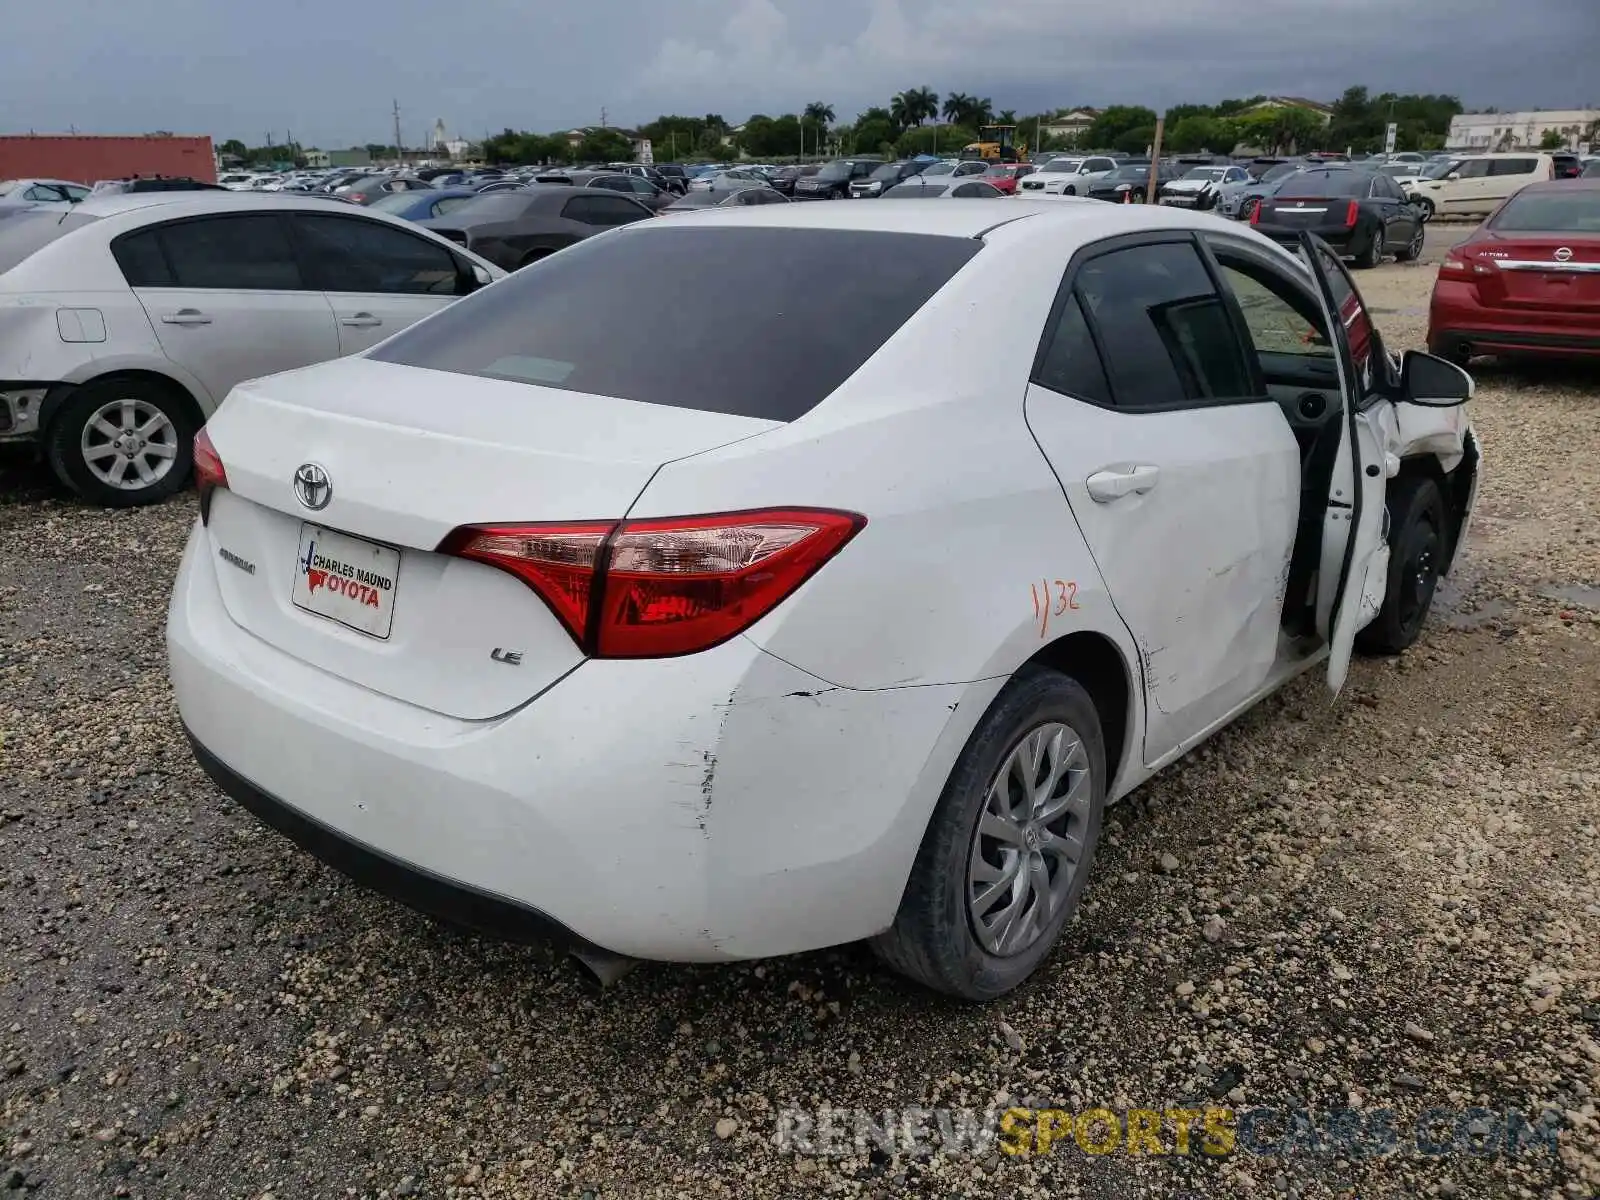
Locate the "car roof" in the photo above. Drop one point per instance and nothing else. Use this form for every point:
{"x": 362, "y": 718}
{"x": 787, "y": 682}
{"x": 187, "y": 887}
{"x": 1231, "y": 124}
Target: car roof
{"x": 1561, "y": 186}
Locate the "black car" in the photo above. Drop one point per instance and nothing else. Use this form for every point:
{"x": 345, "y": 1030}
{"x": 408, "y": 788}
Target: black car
{"x": 675, "y": 177}
{"x": 785, "y": 179}
{"x": 1566, "y": 166}
{"x": 1130, "y": 182}
{"x": 1361, "y": 213}
{"x": 833, "y": 181}
{"x": 513, "y": 229}
{"x": 886, "y": 176}
{"x": 641, "y": 189}
{"x": 156, "y": 183}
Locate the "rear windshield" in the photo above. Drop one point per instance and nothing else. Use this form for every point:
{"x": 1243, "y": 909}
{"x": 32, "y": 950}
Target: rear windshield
{"x": 494, "y": 206}
{"x": 25, "y": 230}
{"x": 698, "y": 200}
{"x": 838, "y": 169}
{"x": 1577, "y": 211}
{"x": 1322, "y": 184}
{"x": 720, "y": 338}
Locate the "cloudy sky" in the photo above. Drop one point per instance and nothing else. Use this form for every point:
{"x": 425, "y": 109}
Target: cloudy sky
{"x": 327, "y": 70}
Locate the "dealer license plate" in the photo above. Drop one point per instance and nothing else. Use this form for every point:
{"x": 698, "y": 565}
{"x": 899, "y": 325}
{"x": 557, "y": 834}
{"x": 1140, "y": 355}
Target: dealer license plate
{"x": 346, "y": 579}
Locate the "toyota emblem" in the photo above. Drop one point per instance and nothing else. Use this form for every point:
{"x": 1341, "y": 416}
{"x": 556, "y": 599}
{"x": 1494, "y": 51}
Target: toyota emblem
{"x": 1563, "y": 254}
{"x": 312, "y": 487}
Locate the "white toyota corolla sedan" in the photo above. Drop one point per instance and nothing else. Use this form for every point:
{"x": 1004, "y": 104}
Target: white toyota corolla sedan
{"x": 721, "y": 622}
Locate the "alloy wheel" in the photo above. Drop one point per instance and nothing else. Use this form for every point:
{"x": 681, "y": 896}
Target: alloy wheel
{"x": 129, "y": 444}
{"x": 1029, "y": 839}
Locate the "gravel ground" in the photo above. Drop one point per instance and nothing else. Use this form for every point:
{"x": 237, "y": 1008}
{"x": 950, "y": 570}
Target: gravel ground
{"x": 1389, "y": 903}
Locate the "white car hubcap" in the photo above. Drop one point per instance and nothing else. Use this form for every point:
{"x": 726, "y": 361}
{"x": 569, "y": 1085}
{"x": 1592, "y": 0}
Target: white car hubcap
{"x": 129, "y": 444}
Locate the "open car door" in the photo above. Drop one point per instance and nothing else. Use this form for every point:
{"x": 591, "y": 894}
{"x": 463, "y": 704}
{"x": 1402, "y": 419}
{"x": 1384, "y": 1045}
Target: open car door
{"x": 1354, "y": 568}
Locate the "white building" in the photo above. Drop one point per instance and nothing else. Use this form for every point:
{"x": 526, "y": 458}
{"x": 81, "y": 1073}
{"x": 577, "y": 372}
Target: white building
{"x": 1508, "y": 131}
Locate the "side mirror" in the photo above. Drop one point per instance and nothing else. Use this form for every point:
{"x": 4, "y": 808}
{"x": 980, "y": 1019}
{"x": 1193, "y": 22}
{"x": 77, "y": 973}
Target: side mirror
{"x": 1453, "y": 175}
{"x": 1433, "y": 382}
{"x": 481, "y": 276}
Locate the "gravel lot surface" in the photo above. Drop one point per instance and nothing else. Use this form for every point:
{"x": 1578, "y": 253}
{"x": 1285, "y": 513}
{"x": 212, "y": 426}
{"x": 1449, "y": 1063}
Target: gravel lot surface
{"x": 1392, "y": 902}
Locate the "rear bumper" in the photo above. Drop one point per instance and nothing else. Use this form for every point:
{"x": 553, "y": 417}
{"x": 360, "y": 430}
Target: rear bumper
{"x": 1343, "y": 238}
{"x": 719, "y": 806}
{"x": 1459, "y": 322}
{"x": 1493, "y": 339}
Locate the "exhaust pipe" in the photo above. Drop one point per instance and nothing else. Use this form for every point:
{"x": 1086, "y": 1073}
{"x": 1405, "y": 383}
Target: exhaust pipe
{"x": 602, "y": 968}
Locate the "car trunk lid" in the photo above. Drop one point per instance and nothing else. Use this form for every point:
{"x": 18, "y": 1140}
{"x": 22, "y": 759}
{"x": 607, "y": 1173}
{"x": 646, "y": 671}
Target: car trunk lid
{"x": 356, "y": 586}
{"x": 1538, "y": 271}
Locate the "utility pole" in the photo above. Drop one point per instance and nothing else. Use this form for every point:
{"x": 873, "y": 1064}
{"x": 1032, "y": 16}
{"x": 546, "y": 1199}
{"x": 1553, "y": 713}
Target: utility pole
{"x": 1155, "y": 162}
{"x": 602, "y": 116}
{"x": 399, "y": 149}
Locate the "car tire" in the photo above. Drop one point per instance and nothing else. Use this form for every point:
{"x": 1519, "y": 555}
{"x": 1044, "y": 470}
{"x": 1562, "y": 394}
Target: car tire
{"x": 936, "y": 938}
{"x": 1412, "y": 250}
{"x": 1070, "y": 190}
{"x": 1426, "y": 205}
{"x": 1247, "y": 207}
{"x": 1372, "y": 256}
{"x": 1418, "y": 543}
{"x": 110, "y": 429}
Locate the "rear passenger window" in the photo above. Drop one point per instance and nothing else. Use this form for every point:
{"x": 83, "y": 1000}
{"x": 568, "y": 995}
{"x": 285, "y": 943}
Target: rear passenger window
{"x": 243, "y": 253}
{"x": 351, "y": 254}
{"x": 1165, "y": 331}
{"x": 142, "y": 262}
{"x": 1512, "y": 166}
{"x": 1071, "y": 364}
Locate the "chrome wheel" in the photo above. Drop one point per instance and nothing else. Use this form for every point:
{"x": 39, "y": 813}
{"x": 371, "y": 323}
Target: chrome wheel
{"x": 1029, "y": 840}
{"x": 129, "y": 444}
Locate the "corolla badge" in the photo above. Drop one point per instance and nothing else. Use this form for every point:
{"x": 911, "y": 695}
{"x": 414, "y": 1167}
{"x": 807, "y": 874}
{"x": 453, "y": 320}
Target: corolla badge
{"x": 312, "y": 486}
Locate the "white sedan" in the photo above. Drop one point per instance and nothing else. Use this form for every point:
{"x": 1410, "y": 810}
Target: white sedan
{"x": 58, "y": 195}
{"x": 571, "y": 626}
{"x": 124, "y": 322}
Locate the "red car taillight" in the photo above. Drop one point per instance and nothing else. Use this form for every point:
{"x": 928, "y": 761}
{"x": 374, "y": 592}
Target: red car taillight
{"x": 666, "y": 586}
{"x": 209, "y": 474}
{"x": 1456, "y": 263}
{"x": 1350, "y": 215}
{"x": 356, "y": 197}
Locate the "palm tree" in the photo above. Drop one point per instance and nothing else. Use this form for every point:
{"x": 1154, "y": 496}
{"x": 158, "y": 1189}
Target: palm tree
{"x": 956, "y": 107}
{"x": 901, "y": 109}
{"x": 1008, "y": 116}
{"x": 982, "y": 111}
{"x": 926, "y": 102}
{"x": 819, "y": 113}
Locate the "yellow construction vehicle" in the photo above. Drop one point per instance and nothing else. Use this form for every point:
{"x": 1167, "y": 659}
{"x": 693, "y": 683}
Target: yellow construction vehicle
{"x": 997, "y": 143}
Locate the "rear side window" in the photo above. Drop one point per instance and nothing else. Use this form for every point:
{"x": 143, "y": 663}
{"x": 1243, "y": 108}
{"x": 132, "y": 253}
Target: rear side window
{"x": 1165, "y": 331}
{"x": 1513, "y": 166}
{"x": 141, "y": 259}
{"x": 348, "y": 254}
{"x": 604, "y": 211}
{"x": 243, "y": 253}
{"x": 1070, "y": 363}
{"x": 720, "y": 339}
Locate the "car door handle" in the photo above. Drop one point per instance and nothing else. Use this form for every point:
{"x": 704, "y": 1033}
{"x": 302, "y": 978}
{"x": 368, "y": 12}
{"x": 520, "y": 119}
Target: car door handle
{"x": 362, "y": 320}
{"x": 185, "y": 316}
{"x": 1116, "y": 482}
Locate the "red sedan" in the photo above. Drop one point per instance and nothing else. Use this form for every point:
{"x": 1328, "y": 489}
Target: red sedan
{"x": 1005, "y": 175}
{"x": 1527, "y": 282}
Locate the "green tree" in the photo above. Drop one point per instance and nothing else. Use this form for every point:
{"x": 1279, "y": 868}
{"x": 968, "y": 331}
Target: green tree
{"x": 709, "y": 144}
{"x": 1552, "y": 140}
{"x": 871, "y": 131}
{"x": 232, "y": 148}
{"x": 604, "y": 145}
{"x": 1111, "y": 127}
{"x": 900, "y": 110}
{"x": 1134, "y": 141}
{"x": 934, "y": 139}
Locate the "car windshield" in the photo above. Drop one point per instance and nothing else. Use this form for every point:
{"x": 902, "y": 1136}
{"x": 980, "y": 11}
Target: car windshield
{"x": 915, "y": 190}
{"x": 998, "y": 169}
{"x": 1279, "y": 171}
{"x": 697, "y": 200}
{"x": 1128, "y": 174}
{"x": 394, "y": 202}
{"x": 538, "y": 326}
{"x": 496, "y": 206}
{"x": 1438, "y": 170}
{"x": 886, "y": 172}
{"x": 1322, "y": 184}
{"x": 1064, "y": 166}
{"x": 1205, "y": 173}
{"x": 1397, "y": 170}
{"x": 940, "y": 168}
{"x": 26, "y": 230}
{"x": 838, "y": 169}
{"x": 1574, "y": 211}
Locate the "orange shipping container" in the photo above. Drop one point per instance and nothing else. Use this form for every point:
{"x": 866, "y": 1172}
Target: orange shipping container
{"x": 88, "y": 158}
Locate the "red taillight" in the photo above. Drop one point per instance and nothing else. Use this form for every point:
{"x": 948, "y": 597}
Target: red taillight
{"x": 1456, "y": 262}
{"x": 667, "y": 586}
{"x": 1350, "y": 215}
{"x": 357, "y": 197}
{"x": 209, "y": 474}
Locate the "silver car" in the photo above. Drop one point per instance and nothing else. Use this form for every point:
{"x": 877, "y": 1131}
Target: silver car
{"x": 126, "y": 321}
